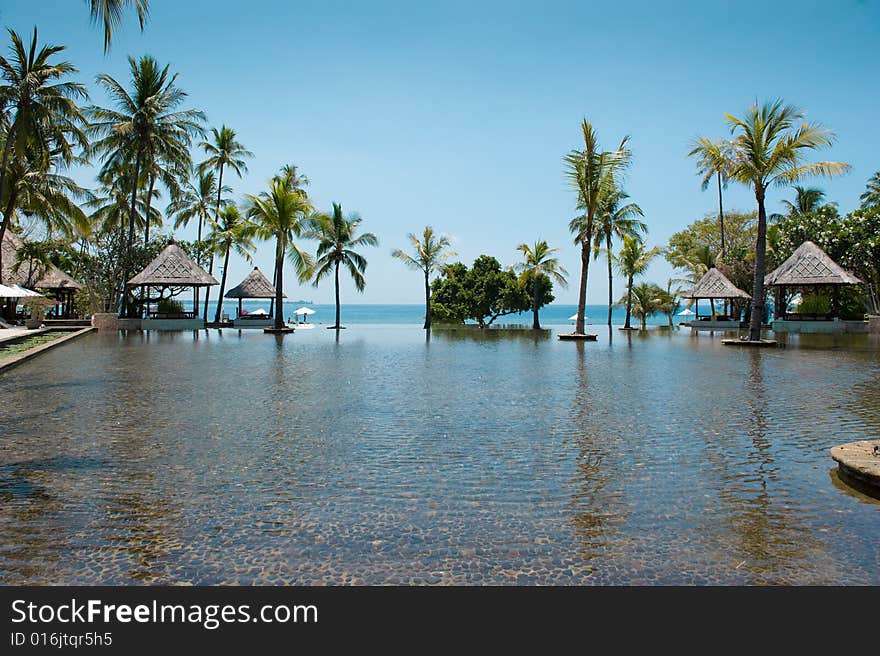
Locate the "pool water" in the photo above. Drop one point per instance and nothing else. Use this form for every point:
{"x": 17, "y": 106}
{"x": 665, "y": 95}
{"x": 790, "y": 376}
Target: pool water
{"x": 468, "y": 458}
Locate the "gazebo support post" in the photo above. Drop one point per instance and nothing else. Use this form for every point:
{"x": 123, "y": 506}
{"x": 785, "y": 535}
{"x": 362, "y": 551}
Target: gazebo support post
{"x": 239, "y": 307}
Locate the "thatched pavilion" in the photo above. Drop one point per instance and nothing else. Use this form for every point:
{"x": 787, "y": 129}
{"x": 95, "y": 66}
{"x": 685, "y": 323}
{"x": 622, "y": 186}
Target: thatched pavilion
{"x": 811, "y": 270}
{"x": 255, "y": 285}
{"x": 168, "y": 275}
{"x": 714, "y": 286}
{"x": 62, "y": 287}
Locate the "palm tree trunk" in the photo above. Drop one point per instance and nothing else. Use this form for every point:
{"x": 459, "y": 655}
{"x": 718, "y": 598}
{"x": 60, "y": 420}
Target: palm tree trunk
{"x": 274, "y": 280}
{"x": 217, "y": 219}
{"x": 760, "y": 264}
{"x": 629, "y": 301}
{"x": 131, "y": 215}
{"x": 6, "y": 150}
{"x": 147, "y": 213}
{"x": 337, "y": 295}
{"x": 582, "y": 290}
{"x": 536, "y": 324}
{"x": 279, "y": 284}
{"x": 644, "y": 319}
{"x": 721, "y": 217}
{"x": 222, "y": 283}
{"x": 7, "y": 214}
{"x": 427, "y": 325}
{"x": 610, "y": 278}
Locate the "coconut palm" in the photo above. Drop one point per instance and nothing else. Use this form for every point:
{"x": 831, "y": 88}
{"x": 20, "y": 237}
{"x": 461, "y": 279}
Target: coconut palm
{"x": 147, "y": 126}
{"x": 234, "y": 232}
{"x": 284, "y": 215}
{"x": 714, "y": 161}
{"x": 108, "y": 13}
{"x": 428, "y": 256}
{"x": 669, "y": 301}
{"x": 769, "y": 146}
{"x": 633, "y": 261}
{"x": 807, "y": 200}
{"x": 592, "y": 172}
{"x": 223, "y": 152}
{"x": 39, "y": 117}
{"x": 644, "y": 299}
{"x": 871, "y": 196}
{"x": 37, "y": 255}
{"x": 336, "y": 243}
{"x": 616, "y": 219}
{"x": 539, "y": 263}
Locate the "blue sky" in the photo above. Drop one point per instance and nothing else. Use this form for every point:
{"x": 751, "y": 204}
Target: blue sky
{"x": 458, "y": 114}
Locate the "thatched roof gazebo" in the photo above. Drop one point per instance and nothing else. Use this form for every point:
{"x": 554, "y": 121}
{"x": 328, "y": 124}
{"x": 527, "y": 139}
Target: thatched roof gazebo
{"x": 171, "y": 272}
{"x": 255, "y": 285}
{"x": 809, "y": 268}
{"x": 714, "y": 286}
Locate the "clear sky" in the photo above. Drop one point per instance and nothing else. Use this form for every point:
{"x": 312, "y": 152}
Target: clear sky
{"x": 457, "y": 114}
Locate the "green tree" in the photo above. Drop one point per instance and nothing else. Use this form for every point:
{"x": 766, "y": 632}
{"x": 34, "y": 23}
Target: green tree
{"x": 644, "y": 300}
{"x": 147, "y": 126}
{"x": 616, "y": 219}
{"x": 223, "y": 151}
{"x": 337, "y": 241}
{"x": 807, "y": 200}
{"x": 108, "y": 14}
{"x": 668, "y": 301}
{"x": 428, "y": 256}
{"x": 592, "y": 172}
{"x": 871, "y": 197}
{"x": 769, "y": 145}
{"x": 41, "y": 124}
{"x": 283, "y": 214}
{"x": 539, "y": 263}
{"x": 633, "y": 261}
{"x": 37, "y": 255}
{"x": 483, "y": 293}
{"x": 233, "y": 233}
{"x": 714, "y": 161}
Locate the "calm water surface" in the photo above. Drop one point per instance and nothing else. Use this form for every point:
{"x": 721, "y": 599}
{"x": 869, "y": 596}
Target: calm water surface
{"x": 383, "y": 458}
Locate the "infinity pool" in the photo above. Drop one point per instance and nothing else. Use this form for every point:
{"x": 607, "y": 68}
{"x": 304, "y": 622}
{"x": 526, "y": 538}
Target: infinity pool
{"x": 227, "y": 457}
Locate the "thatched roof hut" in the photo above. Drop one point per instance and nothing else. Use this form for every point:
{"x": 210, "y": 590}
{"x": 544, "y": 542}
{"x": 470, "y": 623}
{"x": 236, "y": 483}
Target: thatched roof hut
{"x": 51, "y": 278}
{"x": 255, "y": 285}
{"x": 173, "y": 268}
{"x": 809, "y": 265}
{"x": 715, "y": 285}
{"x": 54, "y": 278}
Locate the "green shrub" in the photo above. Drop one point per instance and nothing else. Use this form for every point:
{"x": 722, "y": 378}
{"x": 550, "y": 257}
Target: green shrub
{"x": 169, "y": 306}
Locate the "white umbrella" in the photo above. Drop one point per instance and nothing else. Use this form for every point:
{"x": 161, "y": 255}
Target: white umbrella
{"x": 573, "y": 317}
{"x": 16, "y": 291}
{"x": 304, "y": 310}
{"x": 687, "y": 312}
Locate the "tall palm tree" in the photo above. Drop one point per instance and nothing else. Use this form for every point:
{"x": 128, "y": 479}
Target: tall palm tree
{"x": 428, "y": 256}
{"x": 39, "y": 116}
{"x": 633, "y": 261}
{"x": 871, "y": 196}
{"x": 234, "y": 232}
{"x": 592, "y": 172}
{"x": 616, "y": 219}
{"x": 283, "y": 214}
{"x": 539, "y": 263}
{"x": 108, "y": 13}
{"x": 146, "y": 127}
{"x": 223, "y": 151}
{"x": 337, "y": 239}
{"x": 769, "y": 146}
{"x": 714, "y": 161}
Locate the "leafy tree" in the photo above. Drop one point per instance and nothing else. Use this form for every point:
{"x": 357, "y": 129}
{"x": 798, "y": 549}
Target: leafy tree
{"x": 427, "y": 256}
{"x": 337, "y": 239}
{"x": 483, "y": 293}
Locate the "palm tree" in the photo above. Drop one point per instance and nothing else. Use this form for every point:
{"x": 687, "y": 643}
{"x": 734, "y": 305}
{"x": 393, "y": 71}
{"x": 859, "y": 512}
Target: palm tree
{"x": 592, "y": 172}
{"x": 714, "y": 161}
{"x": 39, "y": 118}
{"x": 336, "y": 244}
{"x": 146, "y": 127}
{"x": 615, "y": 220}
{"x": 768, "y": 150}
{"x": 807, "y": 200}
{"x": 108, "y": 13}
{"x": 539, "y": 263}
{"x": 429, "y": 254}
{"x": 37, "y": 256}
{"x": 633, "y": 261}
{"x": 283, "y": 214}
{"x": 669, "y": 301}
{"x": 644, "y": 299}
{"x": 871, "y": 196}
{"x": 222, "y": 151}
{"x": 234, "y": 232}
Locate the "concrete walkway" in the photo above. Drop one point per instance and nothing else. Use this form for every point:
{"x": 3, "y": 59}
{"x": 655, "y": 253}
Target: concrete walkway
{"x": 859, "y": 461}
{"x": 12, "y": 360}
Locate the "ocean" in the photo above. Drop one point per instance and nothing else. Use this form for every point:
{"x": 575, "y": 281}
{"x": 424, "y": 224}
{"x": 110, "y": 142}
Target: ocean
{"x": 363, "y": 313}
